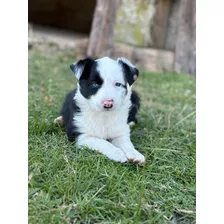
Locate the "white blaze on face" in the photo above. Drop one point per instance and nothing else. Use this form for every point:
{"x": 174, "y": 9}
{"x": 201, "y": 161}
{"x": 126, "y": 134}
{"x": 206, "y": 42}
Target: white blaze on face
{"x": 111, "y": 73}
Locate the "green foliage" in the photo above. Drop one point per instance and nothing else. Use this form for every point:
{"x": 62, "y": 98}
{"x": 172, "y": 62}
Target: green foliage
{"x": 67, "y": 185}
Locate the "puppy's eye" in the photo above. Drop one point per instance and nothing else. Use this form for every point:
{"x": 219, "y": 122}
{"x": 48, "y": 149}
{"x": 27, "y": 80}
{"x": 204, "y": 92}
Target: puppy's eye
{"x": 95, "y": 85}
{"x": 118, "y": 84}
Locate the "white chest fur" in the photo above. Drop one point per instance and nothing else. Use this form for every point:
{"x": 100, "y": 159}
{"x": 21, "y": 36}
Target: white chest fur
{"x": 104, "y": 125}
{"x": 97, "y": 127}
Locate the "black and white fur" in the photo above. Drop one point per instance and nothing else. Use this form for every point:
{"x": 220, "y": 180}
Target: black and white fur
{"x": 97, "y": 113}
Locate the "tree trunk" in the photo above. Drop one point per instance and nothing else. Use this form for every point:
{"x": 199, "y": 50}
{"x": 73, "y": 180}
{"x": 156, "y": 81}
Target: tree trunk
{"x": 101, "y": 36}
{"x": 185, "y": 43}
{"x": 160, "y": 23}
{"x": 193, "y": 46}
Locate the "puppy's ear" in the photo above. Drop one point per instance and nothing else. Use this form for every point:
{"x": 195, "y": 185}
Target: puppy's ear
{"x": 78, "y": 67}
{"x": 130, "y": 71}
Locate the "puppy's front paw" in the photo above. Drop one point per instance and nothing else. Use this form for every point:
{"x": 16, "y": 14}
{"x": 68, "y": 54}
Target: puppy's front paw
{"x": 136, "y": 157}
{"x": 117, "y": 155}
{"x": 59, "y": 120}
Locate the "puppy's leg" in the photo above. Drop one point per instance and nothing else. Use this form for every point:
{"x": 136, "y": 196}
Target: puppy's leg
{"x": 126, "y": 145}
{"x": 103, "y": 147}
{"x": 135, "y": 105}
{"x": 132, "y": 123}
{"x": 59, "y": 120}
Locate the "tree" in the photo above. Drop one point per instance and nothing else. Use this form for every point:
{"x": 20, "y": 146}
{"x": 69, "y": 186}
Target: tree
{"x": 185, "y": 48}
{"x": 102, "y": 30}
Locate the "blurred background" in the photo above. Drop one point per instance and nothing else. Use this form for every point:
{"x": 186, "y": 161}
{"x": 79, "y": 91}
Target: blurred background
{"x": 155, "y": 35}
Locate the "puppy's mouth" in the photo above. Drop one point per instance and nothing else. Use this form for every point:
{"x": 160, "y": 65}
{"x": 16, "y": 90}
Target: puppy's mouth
{"x": 108, "y": 107}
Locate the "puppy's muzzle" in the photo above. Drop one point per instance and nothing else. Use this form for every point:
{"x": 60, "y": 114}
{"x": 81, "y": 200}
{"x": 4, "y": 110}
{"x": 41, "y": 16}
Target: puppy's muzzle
{"x": 107, "y": 104}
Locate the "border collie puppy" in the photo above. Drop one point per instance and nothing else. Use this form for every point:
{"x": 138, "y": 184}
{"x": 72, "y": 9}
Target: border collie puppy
{"x": 97, "y": 114}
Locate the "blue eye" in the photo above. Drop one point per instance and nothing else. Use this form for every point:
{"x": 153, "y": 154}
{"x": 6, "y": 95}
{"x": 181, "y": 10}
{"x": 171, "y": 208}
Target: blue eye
{"x": 118, "y": 84}
{"x": 94, "y": 85}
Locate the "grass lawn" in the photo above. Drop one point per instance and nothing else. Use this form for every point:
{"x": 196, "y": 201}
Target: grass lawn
{"x": 67, "y": 185}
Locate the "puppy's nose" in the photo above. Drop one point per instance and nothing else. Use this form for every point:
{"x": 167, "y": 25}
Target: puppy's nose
{"x": 108, "y": 103}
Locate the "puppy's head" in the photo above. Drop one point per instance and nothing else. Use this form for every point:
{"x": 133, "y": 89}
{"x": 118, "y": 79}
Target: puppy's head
{"x": 105, "y": 83}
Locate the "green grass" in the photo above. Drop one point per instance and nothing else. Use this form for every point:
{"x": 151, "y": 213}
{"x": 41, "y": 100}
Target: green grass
{"x": 67, "y": 185}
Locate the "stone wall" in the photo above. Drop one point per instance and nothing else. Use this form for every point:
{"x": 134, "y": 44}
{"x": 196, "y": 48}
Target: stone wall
{"x": 147, "y": 59}
{"x": 141, "y": 23}
{"x": 133, "y": 22}
{"x": 152, "y": 33}
{"x": 147, "y": 23}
